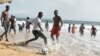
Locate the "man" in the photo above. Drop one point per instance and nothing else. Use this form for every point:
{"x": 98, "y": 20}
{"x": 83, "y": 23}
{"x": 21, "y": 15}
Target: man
{"x": 56, "y": 26}
{"x": 69, "y": 28}
{"x": 13, "y": 24}
{"x": 47, "y": 26}
{"x": 37, "y": 30}
{"x": 27, "y": 24}
{"x": 5, "y": 22}
{"x": 74, "y": 29}
{"x": 93, "y": 31}
{"x": 82, "y": 27}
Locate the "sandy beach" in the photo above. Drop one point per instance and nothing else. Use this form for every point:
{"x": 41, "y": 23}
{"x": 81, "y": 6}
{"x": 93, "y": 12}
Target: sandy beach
{"x": 69, "y": 44}
{"x": 8, "y": 49}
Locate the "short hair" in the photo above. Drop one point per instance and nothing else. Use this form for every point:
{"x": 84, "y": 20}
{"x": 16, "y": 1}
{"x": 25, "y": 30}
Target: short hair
{"x": 7, "y": 6}
{"x": 40, "y": 12}
{"x": 55, "y": 11}
{"x": 28, "y": 18}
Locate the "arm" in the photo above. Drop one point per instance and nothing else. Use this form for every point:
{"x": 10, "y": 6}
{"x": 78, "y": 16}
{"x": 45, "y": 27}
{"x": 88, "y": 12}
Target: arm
{"x": 61, "y": 21}
{"x": 2, "y": 17}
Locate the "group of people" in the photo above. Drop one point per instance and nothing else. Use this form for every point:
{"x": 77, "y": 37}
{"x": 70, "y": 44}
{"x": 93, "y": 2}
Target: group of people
{"x": 81, "y": 29}
{"x": 37, "y": 29}
{"x": 7, "y": 23}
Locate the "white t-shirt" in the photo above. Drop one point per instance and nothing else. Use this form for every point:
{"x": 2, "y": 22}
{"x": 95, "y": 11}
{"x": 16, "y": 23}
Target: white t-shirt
{"x": 35, "y": 23}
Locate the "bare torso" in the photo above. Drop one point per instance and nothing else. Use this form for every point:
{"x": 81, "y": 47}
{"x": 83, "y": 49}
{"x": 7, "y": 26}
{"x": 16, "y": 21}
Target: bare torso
{"x": 5, "y": 16}
{"x": 57, "y": 20}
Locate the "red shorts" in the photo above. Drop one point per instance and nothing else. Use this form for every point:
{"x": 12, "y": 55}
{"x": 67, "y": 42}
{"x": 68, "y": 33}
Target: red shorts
{"x": 55, "y": 31}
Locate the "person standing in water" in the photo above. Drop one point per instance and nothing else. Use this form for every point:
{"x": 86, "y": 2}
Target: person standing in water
{"x": 13, "y": 24}
{"x": 73, "y": 29}
{"x": 69, "y": 28}
{"x": 47, "y": 26}
{"x": 27, "y": 24}
{"x": 5, "y": 22}
{"x": 37, "y": 30}
{"x": 93, "y": 31}
{"x": 56, "y": 26}
{"x": 81, "y": 30}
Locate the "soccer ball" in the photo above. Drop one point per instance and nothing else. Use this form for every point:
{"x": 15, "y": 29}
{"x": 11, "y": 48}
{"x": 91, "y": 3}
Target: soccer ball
{"x": 44, "y": 50}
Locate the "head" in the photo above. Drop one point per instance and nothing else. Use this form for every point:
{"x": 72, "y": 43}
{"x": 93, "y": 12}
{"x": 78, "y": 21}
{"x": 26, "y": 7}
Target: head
{"x": 46, "y": 21}
{"x": 28, "y": 18}
{"x": 40, "y": 14}
{"x": 56, "y": 12}
{"x": 69, "y": 24}
{"x": 12, "y": 16}
{"x": 73, "y": 24}
{"x": 92, "y": 26}
{"x": 7, "y": 7}
{"x": 82, "y": 23}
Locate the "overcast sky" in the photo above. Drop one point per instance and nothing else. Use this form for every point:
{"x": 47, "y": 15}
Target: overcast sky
{"x": 87, "y": 10}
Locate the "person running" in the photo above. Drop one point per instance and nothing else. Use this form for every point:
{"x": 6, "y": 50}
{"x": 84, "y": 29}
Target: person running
{"x": 37, "y": 30}
{"x": 93, "y": 31}
{"x": 73, "y": 29}
{"x": 47, "y": 26}
{"x": 27, "y": 24}
{"x": 56, "y": 26}
{"x": 13, "y": 24}
{"x": 82, "y": 27}
{"x": 69, "y": 28}
{"x": 5, "y": 22}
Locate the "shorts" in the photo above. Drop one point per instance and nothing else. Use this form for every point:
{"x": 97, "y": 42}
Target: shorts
{"x": 27, "y": 27}
{"x": 93, "y": 33}
{"x": 55, "y": 31}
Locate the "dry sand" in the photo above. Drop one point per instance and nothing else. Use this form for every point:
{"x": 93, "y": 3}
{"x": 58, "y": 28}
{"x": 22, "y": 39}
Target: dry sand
{"x": 9, "y": 49}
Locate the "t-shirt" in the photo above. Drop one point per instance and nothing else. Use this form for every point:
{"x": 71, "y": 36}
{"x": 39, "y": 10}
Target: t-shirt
{"x": 35, "y": 23}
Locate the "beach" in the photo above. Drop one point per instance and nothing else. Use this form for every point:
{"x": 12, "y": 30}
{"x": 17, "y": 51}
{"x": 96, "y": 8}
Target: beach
{"x": 69, "y": 44}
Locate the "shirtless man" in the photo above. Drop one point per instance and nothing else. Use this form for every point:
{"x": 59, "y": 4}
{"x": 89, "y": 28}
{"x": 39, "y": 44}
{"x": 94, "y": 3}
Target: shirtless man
{"x": 82, "y": 27}
{"x": 93, "y": 31}
{"x": 74, "y": 29}
{"x": 13, "y": 24}
{"x": 27, "y": 25}
{"x": 5, "y": 22}
{"x": 56, "y": 26}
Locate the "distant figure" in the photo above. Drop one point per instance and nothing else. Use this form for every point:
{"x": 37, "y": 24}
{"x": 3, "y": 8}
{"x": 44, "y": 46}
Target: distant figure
{"x": 20, "y": 27}
{"x": 73, "y": 29}
{"x": 93, "y": 31}
{"x": 69, "y": 28}
{"x": 37, "y": 30}
{"x": 47, "y": 26}
{"x": 56, "y": 26}
{"x": 13, "y": 24}
{"x": 81, "y": 30}
{"x": 23, "y": 25}
{"x": 5, "y": 22}
{"x": 27, "y": 24}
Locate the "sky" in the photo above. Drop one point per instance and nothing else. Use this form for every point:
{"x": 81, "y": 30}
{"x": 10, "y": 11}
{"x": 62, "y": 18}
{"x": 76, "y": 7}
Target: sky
{"x": 84, "y": 10}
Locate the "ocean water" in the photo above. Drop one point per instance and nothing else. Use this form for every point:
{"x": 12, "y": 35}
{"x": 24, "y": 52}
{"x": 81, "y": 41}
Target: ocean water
{"x": 67, "y": 21}
{"x": 69, "y": 44}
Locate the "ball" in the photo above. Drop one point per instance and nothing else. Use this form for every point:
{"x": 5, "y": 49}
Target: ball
{"x": 44, "y": 50}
